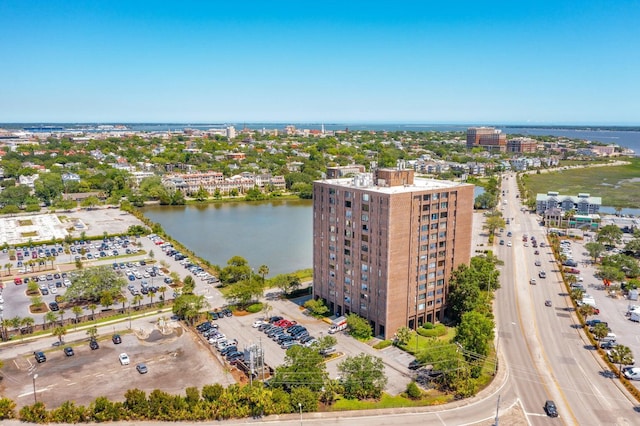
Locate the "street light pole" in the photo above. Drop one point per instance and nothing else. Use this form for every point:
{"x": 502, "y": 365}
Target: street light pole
{"x": 300, "y": 406}
{"x": 35, "y": 398}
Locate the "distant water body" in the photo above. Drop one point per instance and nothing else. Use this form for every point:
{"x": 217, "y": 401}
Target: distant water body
{"x": 628, "y": 137}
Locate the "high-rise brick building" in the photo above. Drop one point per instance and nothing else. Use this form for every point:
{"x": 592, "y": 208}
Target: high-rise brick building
{"x": 385, "y": 245}
{"x": 488, "y": 138}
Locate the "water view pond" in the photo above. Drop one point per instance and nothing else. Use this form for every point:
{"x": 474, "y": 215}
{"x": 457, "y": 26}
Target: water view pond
{"x": 273, "y": 233}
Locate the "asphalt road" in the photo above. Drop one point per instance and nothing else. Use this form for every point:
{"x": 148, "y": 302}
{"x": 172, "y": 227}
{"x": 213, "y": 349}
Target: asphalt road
{"x": 547, "y": 355}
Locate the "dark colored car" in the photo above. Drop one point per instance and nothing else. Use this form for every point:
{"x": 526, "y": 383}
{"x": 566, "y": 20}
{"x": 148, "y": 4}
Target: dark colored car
{"x": 68, "y": 351}
{"x": 116, "y": 339}
{"x": 93, "y": 344}
{"x": 274, "y": 319}
{"x": 54, "y": 306}
{"x": 40, "y": 356}
{"x": 550, "y": 408}
{"x": 415, "y": 364}
{"x": 229, "y": 349}
{"x": 142, "y": 368}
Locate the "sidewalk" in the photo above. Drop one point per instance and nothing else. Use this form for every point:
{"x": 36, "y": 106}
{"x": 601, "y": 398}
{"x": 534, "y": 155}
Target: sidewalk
{"x": 28, "y": 345}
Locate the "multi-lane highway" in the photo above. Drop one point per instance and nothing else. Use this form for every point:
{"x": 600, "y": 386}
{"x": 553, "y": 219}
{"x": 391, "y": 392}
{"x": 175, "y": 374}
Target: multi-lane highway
{"x": 547, "y": 355}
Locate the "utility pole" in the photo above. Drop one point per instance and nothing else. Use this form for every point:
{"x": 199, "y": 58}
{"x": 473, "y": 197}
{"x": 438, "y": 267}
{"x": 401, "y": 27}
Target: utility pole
{"x": 497, "y": 411}
{"x": 35, "y": 398}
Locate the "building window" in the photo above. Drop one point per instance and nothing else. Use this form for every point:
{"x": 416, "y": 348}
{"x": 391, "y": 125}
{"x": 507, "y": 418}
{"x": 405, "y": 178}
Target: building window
{"x": 364, "y": 238}
{"x": 422, "y": 296}
{"x": 425, "y": 208}
{"x": 347, "y": 204}
{"x": 442, "y": 215}
{"x": 364, "y": 248}
{"x": 365, "y": 207}
{"x": 444, "y": 205}
{"x": 422, "y": 287}
{"x": 365, "y": 228}
{"x": 434, "y": 216}
{"x": 365, "y": 218}
{"x": 426, "y": 197}
{"x": 365, "y": 197}
{"x": 421, "y": 307}
{"x": 365, "y": 268}
{"x": 347, "y": 252}
{"x": 348, "y": 214}
{"x": 347, "y": 280}
{"x": 364, "y": 277}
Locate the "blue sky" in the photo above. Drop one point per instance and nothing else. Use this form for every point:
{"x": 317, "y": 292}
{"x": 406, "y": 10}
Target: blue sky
{"x": 535, "y": 62}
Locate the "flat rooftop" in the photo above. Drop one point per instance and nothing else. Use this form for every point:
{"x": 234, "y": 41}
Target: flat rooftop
{"x": 365, "y": 181}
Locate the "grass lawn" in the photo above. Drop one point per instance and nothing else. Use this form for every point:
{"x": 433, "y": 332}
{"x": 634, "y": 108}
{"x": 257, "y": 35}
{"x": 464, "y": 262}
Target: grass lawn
{"x": 422, "y": 341}
{"x": 388, "y": 401}
{"x": 618, "y": 186}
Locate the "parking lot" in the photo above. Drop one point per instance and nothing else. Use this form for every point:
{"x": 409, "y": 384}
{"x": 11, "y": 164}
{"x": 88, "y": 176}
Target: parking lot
{"x": 175, "y": 361}
{"x": 613, "y": 310}
{"x": 60, "y": 378}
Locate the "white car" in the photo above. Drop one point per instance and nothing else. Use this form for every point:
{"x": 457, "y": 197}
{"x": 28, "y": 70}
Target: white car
{"x": 257, "y": 323}
{"x": 53, "y": 290}
{"x": 509, "y": 244}
{"x": 124, "y": 359}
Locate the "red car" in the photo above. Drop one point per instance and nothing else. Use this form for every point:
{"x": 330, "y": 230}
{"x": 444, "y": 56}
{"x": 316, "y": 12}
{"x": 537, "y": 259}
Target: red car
{"x": 17, "y": 281}
{"x": 572, "y": 270}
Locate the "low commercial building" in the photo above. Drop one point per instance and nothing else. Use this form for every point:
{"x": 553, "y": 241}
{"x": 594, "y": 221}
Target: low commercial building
{"x": 582, "y": 204}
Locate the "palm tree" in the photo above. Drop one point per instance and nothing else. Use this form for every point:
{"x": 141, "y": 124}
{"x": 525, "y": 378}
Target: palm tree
{"x": 151, "y": 295}
{"x": 586, "y": 311}
{"x": 49, "y": 317}
{"x": 61, "y": 313}
{"x": 621, "y": 355}
{"x": 137, "y": 299}
{"x": 93, "y": 308}
{"x": 8, "y": 266}
{"x": 59, "y": 332}
{"x": 15, "y": 322}
{"x": 28, "y": 322}
{"x": 92, "y": 332}
{"x": 263, "y": 270}
{"x": 51, "y": 259}
{"x": 77, "y": 310}
{"x": 162, "y": 289}
{"x": 5, "y": 323}
{"x": 120, "y": 298}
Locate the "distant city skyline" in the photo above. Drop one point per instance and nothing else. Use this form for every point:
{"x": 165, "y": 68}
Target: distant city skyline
{"x": 459, "y": 62}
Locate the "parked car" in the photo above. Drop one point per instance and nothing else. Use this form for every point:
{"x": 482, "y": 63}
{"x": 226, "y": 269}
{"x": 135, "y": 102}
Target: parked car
{"x": 68, "y": 351}
{"x": 142, "y": 368}
{"x": 40, "y": 357}
{"x": 93, "y": 344}
{"x": 550, "y": 408}
{"x": 116, "y": 339}
{"x": 54, "y": 306}
{"x": 124, "y": 358}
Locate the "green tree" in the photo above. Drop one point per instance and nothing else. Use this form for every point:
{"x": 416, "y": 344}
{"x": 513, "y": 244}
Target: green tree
{"x": 189, "y": 306}
{"x": 49, "y": 318}
{"x": 464, "y": 292}
{"x": 621, "y": 355}
{"x": 302, "y": 366}
{"x": 305, "y": 397}
{"x": 600, "y": 330}
{"x": 494, "y": 221}
{"x": 594, "y": 249}
{"x": 316, "y": 307}
{"x": 7, "y": 409}
{"x": 586, "y": 311}
{"x": 244, "y": 292}
{"x": 475, "y": 332}
{"x": 576, "y": 294}
{"x": 59, "y": 332}
{"x": 359, "y": 327}
{"x": 93, "y": 283}
{"x": 92, "y": 332}
{"x": 263, "y": 270}
{"x": 413, "y": 391}
{"x": 403, "y": 335}
{"x": 325, "y": 342}
{"x": 90, "y": 202}
{"x": 93, "y": 307}
{"x": 609, "y": 235}
{"x": 77, "y": 311}
{"x": 363, "y": 376}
